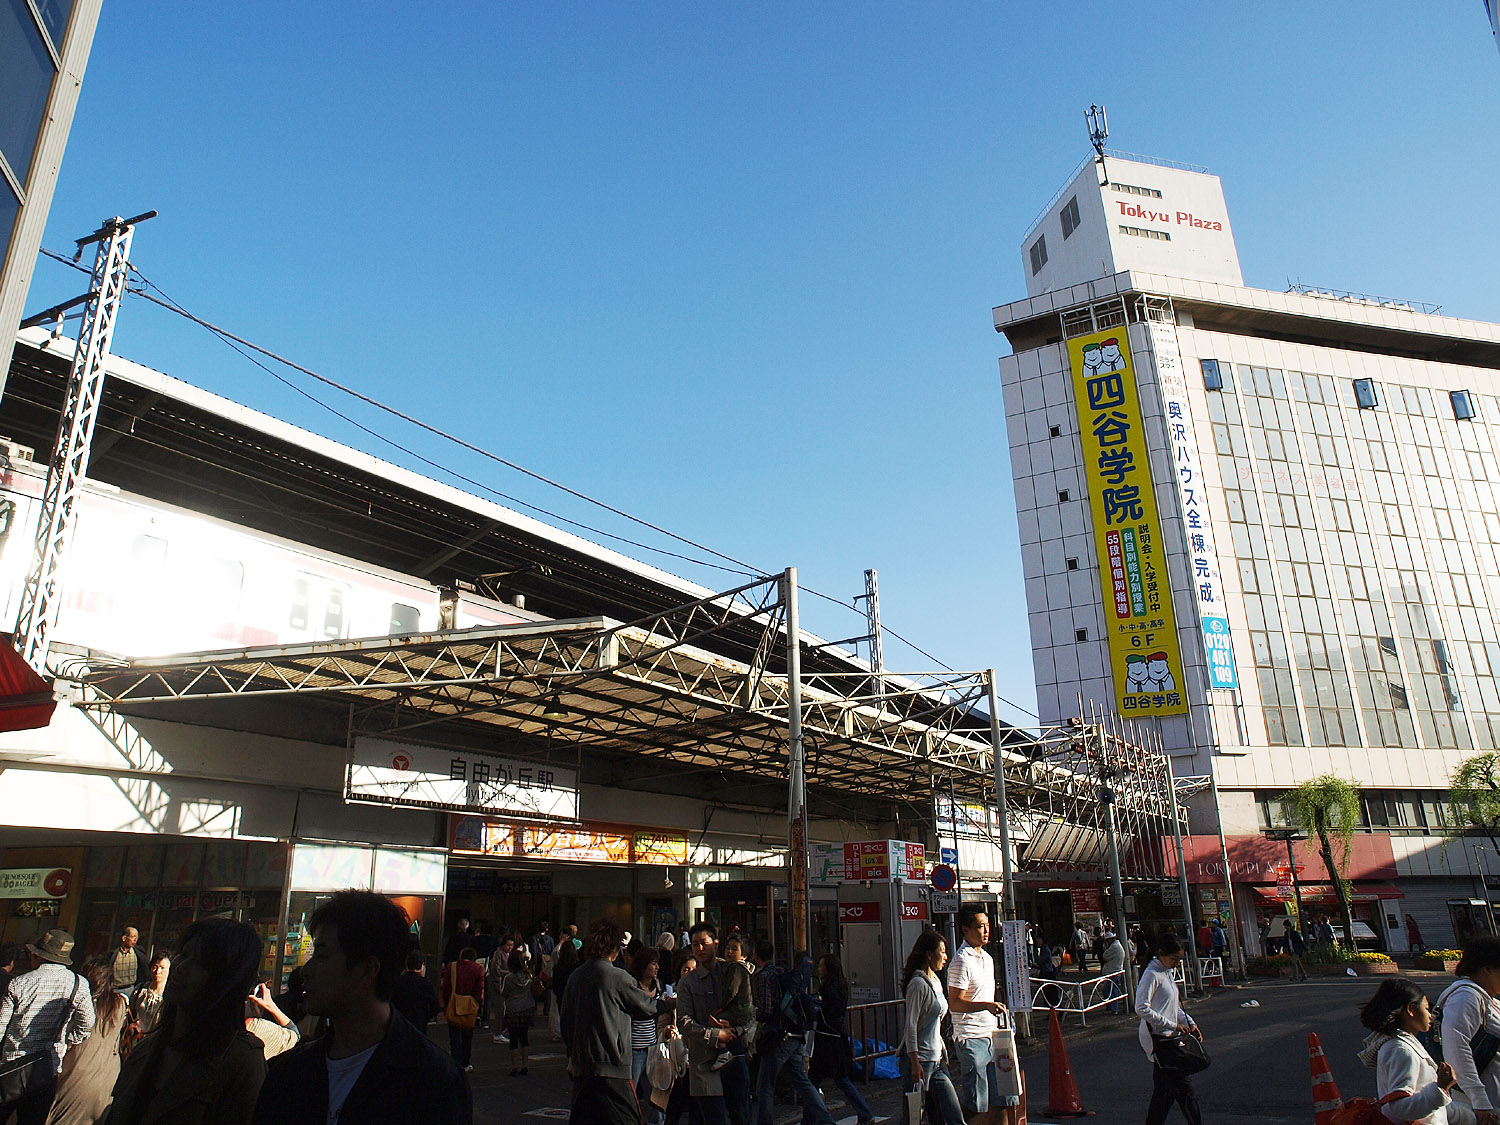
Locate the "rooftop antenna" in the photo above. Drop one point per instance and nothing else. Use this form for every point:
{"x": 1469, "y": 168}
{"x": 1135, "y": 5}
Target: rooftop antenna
{"x": 1098, "y": 121}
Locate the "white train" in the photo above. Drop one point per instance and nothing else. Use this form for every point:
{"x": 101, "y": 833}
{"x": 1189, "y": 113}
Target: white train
{"x": 142, "y": 578}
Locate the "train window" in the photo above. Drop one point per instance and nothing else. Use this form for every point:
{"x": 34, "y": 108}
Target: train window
{"x": 223, "y": 581}
{"x": 333, "y": 615}
{"x": 301, "y": 603}
{"x": 404, "y": 619}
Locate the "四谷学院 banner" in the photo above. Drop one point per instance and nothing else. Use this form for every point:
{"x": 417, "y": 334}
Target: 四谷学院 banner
{"x": 1144, "y": 660}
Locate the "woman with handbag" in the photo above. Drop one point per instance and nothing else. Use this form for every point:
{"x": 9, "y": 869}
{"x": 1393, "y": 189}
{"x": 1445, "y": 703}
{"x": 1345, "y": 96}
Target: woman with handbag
{"x": 518, "y": 997}
{"x": 463, "y": 995}
{"x": 1471, "y": 1028}
{"x": 1169, "y": 1036}
{"x": 926, "y": 1005}
{"x": 1410, "y": 1086}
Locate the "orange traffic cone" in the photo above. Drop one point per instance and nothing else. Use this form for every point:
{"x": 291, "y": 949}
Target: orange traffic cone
{"x": 1062, "y": 1099}
{"x": 1326, "y": 1100}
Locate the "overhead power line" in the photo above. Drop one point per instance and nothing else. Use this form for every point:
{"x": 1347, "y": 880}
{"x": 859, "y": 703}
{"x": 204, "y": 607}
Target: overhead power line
{"x": 239, "y": 344}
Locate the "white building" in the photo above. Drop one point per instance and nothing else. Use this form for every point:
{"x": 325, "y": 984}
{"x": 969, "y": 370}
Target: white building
{"x": 1323, "y": 469}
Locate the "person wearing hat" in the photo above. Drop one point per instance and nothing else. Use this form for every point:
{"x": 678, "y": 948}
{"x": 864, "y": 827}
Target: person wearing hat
{"x": 43, "y": 1014}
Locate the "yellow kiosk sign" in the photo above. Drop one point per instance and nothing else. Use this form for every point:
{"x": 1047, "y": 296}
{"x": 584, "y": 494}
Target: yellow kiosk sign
{"x": 1144, "y": 659}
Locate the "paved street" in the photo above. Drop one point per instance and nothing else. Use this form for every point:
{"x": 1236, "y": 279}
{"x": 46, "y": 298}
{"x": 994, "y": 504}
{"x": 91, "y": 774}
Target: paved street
{"x": 1259, "y": 1073}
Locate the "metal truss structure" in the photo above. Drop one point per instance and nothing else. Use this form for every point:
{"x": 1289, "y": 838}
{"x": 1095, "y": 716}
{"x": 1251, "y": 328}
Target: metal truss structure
{"x": 75, "y": 433}
{"x": 662, "y": 689}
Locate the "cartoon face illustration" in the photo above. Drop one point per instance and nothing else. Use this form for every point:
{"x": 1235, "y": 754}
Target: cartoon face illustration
{"x": 1110, "y": 358}
{"x": 1137, "y": 674}
{"x": 1091, "y": 358}
{"x": 1159, "y": 673}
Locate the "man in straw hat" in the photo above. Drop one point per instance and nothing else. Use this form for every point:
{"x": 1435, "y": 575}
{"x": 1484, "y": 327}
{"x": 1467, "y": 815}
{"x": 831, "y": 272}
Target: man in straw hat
{"x": 43, "y": 1014}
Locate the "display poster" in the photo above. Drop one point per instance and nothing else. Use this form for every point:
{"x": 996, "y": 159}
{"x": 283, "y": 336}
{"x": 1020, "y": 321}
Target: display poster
{"x": 35, "y": 882}
{"x": 585, "y": 842}
{"x": 405, "y": 773}
{"x": 1198, "y": 528}
{"x": 1017, "y": 968}
{"x": 883, "y": 860}
{"x": 1140, "y": 627}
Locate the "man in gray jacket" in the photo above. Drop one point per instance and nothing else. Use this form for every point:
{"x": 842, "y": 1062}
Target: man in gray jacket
{"x": 598, "y": 1004}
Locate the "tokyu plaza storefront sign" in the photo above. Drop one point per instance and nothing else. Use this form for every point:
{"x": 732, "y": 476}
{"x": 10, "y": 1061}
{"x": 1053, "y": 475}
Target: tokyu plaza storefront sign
{"x": 1141, "y": 630}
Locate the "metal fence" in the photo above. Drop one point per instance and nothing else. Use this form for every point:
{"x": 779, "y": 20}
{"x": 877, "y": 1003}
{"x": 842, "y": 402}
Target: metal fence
{"x": 877, "y": 1030}
{"x": 1080, "y": 996}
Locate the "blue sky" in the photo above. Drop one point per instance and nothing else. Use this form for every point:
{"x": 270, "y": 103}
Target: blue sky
{"x": 730, "y": 266}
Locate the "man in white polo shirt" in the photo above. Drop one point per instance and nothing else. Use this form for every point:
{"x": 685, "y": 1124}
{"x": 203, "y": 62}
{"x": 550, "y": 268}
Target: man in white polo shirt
{"x": 971, "y": 999}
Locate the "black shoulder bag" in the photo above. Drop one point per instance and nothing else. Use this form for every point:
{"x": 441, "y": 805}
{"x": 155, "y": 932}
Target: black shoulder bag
{"x": 1181, "y": 1054}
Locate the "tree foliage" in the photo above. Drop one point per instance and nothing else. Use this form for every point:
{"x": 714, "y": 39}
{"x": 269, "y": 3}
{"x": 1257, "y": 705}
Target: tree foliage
{"x": 1474, "y": 797}
{"x": 1327, "y": 808}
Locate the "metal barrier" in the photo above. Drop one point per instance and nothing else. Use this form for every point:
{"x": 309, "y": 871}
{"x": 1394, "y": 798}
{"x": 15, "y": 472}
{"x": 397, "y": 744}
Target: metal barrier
{"x": 1211, "y": 969}
{"x": 1079, "y": 997}
{"x": 881, "y": 1022}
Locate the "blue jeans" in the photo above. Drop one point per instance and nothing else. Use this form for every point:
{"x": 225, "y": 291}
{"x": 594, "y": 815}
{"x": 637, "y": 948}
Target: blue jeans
{"x": 857, "y": 1103}
{"x": 638, "y": 1059}
{"x": 978, "y": 1078}
{"x": 788, "y": 1054}
{"x": 942, "y": 1098}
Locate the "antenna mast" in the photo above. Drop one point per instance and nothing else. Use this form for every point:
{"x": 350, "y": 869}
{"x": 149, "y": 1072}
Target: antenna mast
{"x": 75, "y": 434}
{"x": 872, "y": 616}
{"x": 1098, "y": 122}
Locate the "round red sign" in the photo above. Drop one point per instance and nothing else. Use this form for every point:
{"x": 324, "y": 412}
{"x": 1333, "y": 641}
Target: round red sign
{"x": 57, "y": 882}
{"x": 400, "y": 762}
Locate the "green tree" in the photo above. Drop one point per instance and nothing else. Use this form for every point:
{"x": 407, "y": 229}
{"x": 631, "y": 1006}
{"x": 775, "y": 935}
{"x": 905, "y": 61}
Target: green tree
{"x": 1474, "y": 798}
{"x": 1327, "y": 809}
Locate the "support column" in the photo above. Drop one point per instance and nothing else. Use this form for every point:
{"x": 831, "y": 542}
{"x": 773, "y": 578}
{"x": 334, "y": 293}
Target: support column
{"x": 796, "y": 806}
{"x": 1196, "y": 976}
{"x": 1007, "y": 876}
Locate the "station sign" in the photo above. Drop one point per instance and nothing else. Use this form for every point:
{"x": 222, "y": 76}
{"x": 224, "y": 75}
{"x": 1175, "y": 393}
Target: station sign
{"x": 387, "y": 772}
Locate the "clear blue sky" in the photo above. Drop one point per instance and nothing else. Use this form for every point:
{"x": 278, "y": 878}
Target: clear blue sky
{"x": 730, "y": 266}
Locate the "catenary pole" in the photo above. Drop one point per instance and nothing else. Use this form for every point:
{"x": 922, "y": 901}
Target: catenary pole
{"x": 796, "y": 812}
{"x": 1007, "y": 875}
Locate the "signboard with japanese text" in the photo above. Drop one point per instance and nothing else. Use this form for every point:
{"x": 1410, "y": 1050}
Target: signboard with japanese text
{"x": 973, "y": 819}
{"x": 1203, "y": 556}
{"x": 35, "y": 882}
{"x": 403, "y": 773}
{"x": 914, "y": 911}
{"x": 1140, "y": 627}
{"x": 1017, "y": 968}
{"x": 579, "y": 843}
{"x": 859, "y": 912}
{"x": 883, "y": 860}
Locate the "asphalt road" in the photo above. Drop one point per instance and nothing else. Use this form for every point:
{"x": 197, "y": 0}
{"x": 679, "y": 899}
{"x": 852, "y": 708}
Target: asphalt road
{"x": 1259, "y": 1074}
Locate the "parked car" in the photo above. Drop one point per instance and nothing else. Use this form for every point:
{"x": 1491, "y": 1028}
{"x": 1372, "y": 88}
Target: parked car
{"x": 1365, "y": 939}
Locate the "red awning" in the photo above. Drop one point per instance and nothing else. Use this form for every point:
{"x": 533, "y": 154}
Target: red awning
{"x": 26, "y": 700}
{"x": 1319, "y": 892}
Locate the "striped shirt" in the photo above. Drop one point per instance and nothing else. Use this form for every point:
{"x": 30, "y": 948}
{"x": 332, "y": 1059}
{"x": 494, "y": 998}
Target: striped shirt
{"x": 37, "y": 1016}
{"x": 643, "y": 1032}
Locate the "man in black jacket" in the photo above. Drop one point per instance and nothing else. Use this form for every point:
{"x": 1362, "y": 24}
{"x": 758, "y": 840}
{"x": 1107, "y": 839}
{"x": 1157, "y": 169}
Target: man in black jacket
{"x": 415, "y": 996}
{"x": 373, "y": 1066}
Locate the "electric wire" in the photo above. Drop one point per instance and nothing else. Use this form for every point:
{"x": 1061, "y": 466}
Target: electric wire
{"x": 239, "y": 344}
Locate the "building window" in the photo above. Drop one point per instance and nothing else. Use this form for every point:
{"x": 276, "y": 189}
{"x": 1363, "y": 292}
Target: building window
{"x": 1213, "y": 378}
{"x": 1070, "y": 218}
{"x": 1063, "y": 496}
{"x": 1131, "y": 189}
{"x": 1080, "y": 634}
{"x": 26, "y": 71}
{"x": 1054, "y": 431}
{"x": 1038, "y": 254}
{"x": 1463, "y": 405}
{"x": 1364, "y": 394}
{"x": 1072, "y": 564}
{"x": 1143, "y": 232}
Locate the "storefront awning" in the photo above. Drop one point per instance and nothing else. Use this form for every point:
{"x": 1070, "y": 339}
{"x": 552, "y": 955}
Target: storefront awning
{"x": 26, "y": 700}
{"x": 1321, "y": 892}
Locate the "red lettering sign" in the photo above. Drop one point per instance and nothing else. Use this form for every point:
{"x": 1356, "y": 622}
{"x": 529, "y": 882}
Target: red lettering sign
{"x": 859, "y": 912}
{"x": 913, "y": 912}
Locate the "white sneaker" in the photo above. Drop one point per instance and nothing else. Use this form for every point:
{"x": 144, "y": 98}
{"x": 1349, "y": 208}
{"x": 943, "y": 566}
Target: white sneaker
{"x": 499, "y": 1038}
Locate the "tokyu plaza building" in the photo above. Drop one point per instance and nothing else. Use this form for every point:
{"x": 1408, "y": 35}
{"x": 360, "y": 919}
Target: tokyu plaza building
{"x": 1265, "y": 525}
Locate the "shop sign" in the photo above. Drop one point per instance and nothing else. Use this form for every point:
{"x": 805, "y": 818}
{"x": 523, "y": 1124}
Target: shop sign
{"x": 575, "y": 844}
{"x": 1198, "y": 528}
{"x": 1141, "y": 628}
{"x": 882, "y": 860}
{"x": 859, "y": 912}
{"x": 825, "y": 863}
{"x": 35, "y": 882}
{"x": 404, "y": 773}
{"x": 972, "y": 819}
{"x": 1086, "y": 900}
{"x": 659, "y": 847}
{"x": 913, "y": 912}
{"x": 1017, "y": 969}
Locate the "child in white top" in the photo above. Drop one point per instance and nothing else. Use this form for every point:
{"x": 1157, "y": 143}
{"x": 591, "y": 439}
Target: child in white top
{"x": 1396, "y": 1015}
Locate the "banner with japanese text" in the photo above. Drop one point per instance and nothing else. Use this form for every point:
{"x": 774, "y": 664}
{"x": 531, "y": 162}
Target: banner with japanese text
{"x": 1187, "y": 467}
{"x": 1140, "y": 628}
{"x": 403, "y": 773}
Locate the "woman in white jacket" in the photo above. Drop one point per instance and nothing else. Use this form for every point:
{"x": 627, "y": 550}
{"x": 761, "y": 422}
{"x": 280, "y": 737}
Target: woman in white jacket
{"x": 1162, "y": 1015}
{"x": 1396, "y": 1015}
{"x": 1468, "y": 1008}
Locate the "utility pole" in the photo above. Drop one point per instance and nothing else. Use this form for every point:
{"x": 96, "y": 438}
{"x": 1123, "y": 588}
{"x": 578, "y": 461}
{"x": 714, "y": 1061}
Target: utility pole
{"x": 872, "y": 619}
{"x": 1007, "y": 875}
{"x": 40, "y": 597}
{"x": 796, "y": 806}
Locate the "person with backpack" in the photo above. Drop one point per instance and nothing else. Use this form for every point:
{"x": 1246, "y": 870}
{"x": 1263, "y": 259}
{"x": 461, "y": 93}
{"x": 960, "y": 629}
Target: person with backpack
{"x": 926, "y": 1007}
{"x": 1470, "y": 1028}
{"x": 543, "y": 948}
{"x": 518, "y": 996}
{"x": 786, "y": 1011}
{"x": 1417, "y": 1088}
{"x": 833, "y": 1056}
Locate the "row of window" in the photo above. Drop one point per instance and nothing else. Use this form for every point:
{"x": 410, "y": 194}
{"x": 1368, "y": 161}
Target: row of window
{"x": 1070, "y": 222}
{"x": 1400, "y": 812}
{"x": 1131, "y": 189}
{"x": 1366, "y": 396}
{"x": 1146, "y": 232}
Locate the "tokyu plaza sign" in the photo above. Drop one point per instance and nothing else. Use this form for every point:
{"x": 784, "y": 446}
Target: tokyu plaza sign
{"x": 1140, "y": 627}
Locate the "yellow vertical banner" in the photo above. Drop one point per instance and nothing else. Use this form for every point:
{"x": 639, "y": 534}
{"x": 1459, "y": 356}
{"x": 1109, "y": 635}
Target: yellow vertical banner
{"x": 1144, "y": 660}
